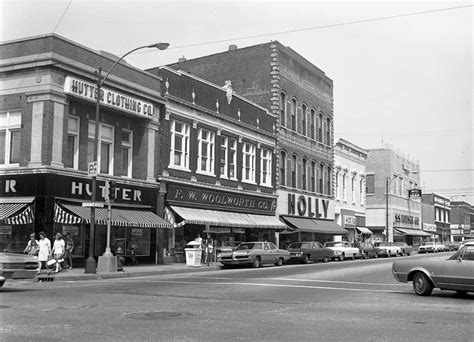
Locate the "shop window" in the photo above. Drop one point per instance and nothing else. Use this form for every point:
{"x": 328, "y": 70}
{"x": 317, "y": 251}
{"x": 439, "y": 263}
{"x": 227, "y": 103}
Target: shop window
{"x": 303, "y": 119}
{"x": 283, "y": 109}
{"x": 293, "y": 115}
{"x": 266, "y": 167}
{"x": 179, "y": 151}
{"x": 71, "y": 153}
{"x": 248, "y": 167}
{"x": 127, "y": 148}
{"x": 313, "y": 176}
{"x": 312, "y": 124}
{"x": 369, "y": 184}
{"x": 10, "y": 136}
{"x": 282, "y": 168}
{"x": 105, "y": 156}
{"x": 293, "y": 171}
{"x": 206, "y": 151}
{"x": 304, "y": 174}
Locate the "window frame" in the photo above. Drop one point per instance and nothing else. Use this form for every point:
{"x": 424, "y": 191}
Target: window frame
{"x": 251, "y": 153}
{"x": 129, "y": 146}
{"x": 10, "y": 129}
{"x": 282, "y": 168}
{"x": 266, "y": 160}
{"x": 185, "y": 134}
{"x": 102, "y": 141}
{"x": 75, "y": 135}
{"x": 210, "y": 151}
{"x": 294, "y": 115}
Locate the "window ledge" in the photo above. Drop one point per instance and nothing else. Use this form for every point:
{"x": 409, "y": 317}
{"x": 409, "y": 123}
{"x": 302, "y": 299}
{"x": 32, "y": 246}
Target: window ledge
{"x": 179, "y": 168}
{"x": 205, "y": 173}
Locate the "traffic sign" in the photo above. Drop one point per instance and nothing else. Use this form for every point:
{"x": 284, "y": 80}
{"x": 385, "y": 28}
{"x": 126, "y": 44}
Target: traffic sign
{"x": 93, "y": 204}
{"x": 92, "y": 170}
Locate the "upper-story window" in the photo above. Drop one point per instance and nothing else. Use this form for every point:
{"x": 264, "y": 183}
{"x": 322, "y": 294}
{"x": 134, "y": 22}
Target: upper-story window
{"x": 361, "y": 190}
{"x": 328, "y": 131}
{"x": 179, "y": 151}
{"x": 224, "y": 157}
{"x": 294, "y": 110}
{"x": 10, "y": 138}
{"x": 369, "y": 184}
{"x": 72, "y": 143}
{"x": 320, "y": 128}
{"x": 304, "y": 174}
{"x": 282, "y": 168}
{"x": 206, "y": 140}
{"x": 321, "y": 175}
{"x": 248, "y": 165}
{"x": 312, "y": 124}
{"x": 293, "y": 171}
{"x": 313, "y": 176}
{"x": 328, "y": 180}
{"x": 337, "y": 194}
{"x": 282, "y": 109}
{"x": 105, "y": 151}
{"x": 303, "y": 119}
{"x": 127, "y": 153}
{"x": 353, "y": 189}
{"x": 344, "y": 196}
{"x": 265, "y": 167}
{"x": 228, "y": 158}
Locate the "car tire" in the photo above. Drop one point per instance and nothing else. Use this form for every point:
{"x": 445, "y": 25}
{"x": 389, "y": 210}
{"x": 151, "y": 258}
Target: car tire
{"x": 422, "y": 284}
{"x": 353, "y": 257}
{"x": 256, "y": 262}
{"x": 305, "y": 259}
{"x": 325, "y": 259}
{"x": 461, "y": 293}
{"x": 341, "y": 257}
{"x": 376, "y": 255}
{"x": 279, "y": 262}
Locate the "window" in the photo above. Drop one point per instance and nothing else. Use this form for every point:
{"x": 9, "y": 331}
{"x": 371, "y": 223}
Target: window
{"x": 303, "y": 174}
{"x": 105, "y": 147}
{"x": 10, "y": 136}
{"x": 283, "y": 168}
{"x": 320, "y": 128}
{"x": 328, "y": 131}
{"x": 361, "y": 190}
{"x": 224, "y": 157}
{"x": 328, "y": 180}
{"x": 179, "y": 152}
{"x": 337, "y": 185}
{"x": 321, "y": 184}
{"x": 313, "y": 176}
{"x": 127, "y": 153}
{"x": 293, "y": 115}
{"x": 353, "y": 194}
{"x": 282, "y": 109}
{"x": 303, "y": 119}
{"x": 71, "y": 154}
{"x": 232, "y": 158}
{"x": 293, "y": 171}
{"x": 206, "y": 151}
{"x": 265, "y": 167}
{"x": 344, "y": 196}
{"x": 369, "y": 183}
{"x": 248, "y": 167}
{"x": 312, "y": 127}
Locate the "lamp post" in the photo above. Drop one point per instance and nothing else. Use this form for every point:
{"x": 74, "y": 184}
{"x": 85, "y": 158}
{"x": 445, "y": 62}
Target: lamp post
{"x": 90, "y": 263}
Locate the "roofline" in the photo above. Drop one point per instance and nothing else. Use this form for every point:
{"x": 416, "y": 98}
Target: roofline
{"x": 352, "y": 145}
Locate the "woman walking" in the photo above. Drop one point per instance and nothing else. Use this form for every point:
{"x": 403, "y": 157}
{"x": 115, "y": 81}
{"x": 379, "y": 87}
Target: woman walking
{"x": 44, "y": 250}
{"x": 59, "y": 248}
{"x": 32, "y": 247}
{"x": 69, "y": 249}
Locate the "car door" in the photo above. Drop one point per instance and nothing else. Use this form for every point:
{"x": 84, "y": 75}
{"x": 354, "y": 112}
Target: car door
{"x": 316, "y": 252}
{"x": 458, "y": 271}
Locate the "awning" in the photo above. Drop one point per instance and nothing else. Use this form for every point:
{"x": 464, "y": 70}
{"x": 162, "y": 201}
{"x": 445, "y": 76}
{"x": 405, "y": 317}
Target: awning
{"x": 71, "y": 214}
{"x": 412, "y": 232}
{"x": 364, "y": 230}
{"x": 16, "y": 210}
{"x": 301, "y": 224}
{"x": 226, "y": 219}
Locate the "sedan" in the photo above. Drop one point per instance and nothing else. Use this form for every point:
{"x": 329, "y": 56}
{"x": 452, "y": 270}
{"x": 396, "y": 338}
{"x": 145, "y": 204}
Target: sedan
{"x": 454, "y": 274}
{"x": 427, "y": 247}
{"x": 309, "y": 251}
{"x": 255, "y": 254}
{"x": 388, "y": 249}
{"x": 368, "y": 250}
{"x": 343, "y": 250}
{"x": 406, "y": 248}
{"x": 17, "y": 266}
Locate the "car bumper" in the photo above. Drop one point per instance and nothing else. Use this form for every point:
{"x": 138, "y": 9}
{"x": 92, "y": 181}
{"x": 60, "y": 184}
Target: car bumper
{"x": 18, "y": 274}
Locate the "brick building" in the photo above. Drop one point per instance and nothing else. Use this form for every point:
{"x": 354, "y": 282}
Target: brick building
{"x": 441, "y": 213}
{"x": 300, "y": 96}
{"x": 47, "y": 129}
{"x": 391, "y": 213}
{"x": 462, "y": 214}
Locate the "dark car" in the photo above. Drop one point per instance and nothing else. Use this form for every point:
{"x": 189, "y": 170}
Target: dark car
{"x": 406, "y": 248}
{"x": 309, "y": 251}
{"x": 368, "y": 250}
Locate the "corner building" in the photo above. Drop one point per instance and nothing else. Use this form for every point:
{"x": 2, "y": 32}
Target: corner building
{"x": 300, "y": 98}
{"x": 47, "y": 129}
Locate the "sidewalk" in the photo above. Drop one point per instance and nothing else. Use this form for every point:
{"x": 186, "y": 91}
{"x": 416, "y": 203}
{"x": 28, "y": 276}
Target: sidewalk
{"x": 77, "y": 274}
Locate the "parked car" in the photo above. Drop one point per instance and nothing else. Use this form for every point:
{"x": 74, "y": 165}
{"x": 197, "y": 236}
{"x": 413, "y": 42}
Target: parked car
{"x": 427, "y": 247}
{"x": 227, "y": 246}
{"x": 455, "y": 273}
{"x": 367, "y": 250}
{"x": 255, "y": 254}
{"x": 406, "y": 248}
{"x": 17, "y": 266}
{"x": 452, "y": 246}
{"x": 309, "y": 251}
{"x": 388, "y": 249}
{"x": 343, "y": 250}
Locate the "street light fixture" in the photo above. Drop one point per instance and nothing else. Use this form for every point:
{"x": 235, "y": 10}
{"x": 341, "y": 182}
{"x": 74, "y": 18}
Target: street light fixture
{"x": 91, "y": 266}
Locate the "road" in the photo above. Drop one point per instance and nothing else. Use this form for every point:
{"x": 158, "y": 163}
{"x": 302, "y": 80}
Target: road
{"x": 350, "y": 301}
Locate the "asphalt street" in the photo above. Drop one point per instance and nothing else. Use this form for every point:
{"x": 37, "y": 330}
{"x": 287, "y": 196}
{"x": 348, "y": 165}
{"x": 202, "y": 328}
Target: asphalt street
{"x": 350, "y": 301}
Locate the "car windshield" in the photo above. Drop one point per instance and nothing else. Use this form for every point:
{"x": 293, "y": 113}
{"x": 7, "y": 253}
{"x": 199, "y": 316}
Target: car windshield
{"x": 334, "y": 244}
{"x": 251, "y": 245}
{"x": 300, "y": 245}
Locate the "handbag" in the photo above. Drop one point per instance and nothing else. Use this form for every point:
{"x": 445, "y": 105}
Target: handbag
{"x": 50, "y": 262}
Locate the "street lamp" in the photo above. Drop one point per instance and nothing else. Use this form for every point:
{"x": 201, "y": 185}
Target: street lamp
{"x": 91, "y": 266}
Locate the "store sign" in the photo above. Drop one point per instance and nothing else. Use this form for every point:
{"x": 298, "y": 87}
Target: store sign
{"x": 456, "y": 232}
{"x": 414, "y": 193}
{"x": 295, "y": 204}
{"x": 349, "y": 221}
{"x": 109, "y": 98}
{"x": 407, "y": 219}
{"x": 441, "y": 201}
{"x": 5, "y": 230}
{"x": 137, "y": 232}
{"x": 428, "y": 227}
{"x": 73, "y": 230}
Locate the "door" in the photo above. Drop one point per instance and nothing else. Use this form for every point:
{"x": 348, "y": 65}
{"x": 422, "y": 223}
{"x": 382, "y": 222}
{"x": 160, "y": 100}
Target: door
{"x": 458, "y": 271}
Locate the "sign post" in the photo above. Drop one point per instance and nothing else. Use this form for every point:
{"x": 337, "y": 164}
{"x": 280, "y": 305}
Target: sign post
{"x": 107, "y": 261}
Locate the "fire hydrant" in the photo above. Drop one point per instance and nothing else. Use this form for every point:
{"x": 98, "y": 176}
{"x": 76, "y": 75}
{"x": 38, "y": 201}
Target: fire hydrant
{"x": 120, "y": 258}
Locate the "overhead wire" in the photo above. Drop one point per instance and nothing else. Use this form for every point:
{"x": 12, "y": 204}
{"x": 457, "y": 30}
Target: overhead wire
{"x": 64, "y": 13}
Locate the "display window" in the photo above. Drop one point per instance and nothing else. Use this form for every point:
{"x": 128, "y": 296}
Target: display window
{"x": 124, "y": 238}
{"x": 14, "y": 238}
{"x": 78, "y": 237}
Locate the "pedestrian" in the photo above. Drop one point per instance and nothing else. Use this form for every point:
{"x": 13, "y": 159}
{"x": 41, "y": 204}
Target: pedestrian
{"x": 32, "y": 248}
{"x": 69, "y": 250}
{"x": 133, "y": 246}
{"x": 58, "y": 250}
{"x": 44, "y": 251}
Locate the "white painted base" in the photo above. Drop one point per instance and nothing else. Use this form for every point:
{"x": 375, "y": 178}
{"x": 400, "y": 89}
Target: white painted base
{"x": 107, "y": 264}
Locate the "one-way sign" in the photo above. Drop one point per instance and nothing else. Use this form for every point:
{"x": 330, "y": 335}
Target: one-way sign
{"x": 93, "y": 204}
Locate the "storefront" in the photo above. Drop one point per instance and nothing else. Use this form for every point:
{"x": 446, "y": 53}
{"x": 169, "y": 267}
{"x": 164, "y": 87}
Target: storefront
{"x": 430, "y": 228}
{"x": 407, "y": 228}
{"x": 225, "y": 217}
{"x": 54, "y": 203}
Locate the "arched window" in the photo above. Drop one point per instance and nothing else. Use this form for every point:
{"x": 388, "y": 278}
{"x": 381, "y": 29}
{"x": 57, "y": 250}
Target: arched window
{"x": 303, "y": 174}
{"x": 293, "y": 114}
{"x": 321, "y": 175}
{"x": 313, "y": 176}
{"x": 312, "y": 123}
{"x": 293, "y": 171}
{"x": 282, "y": 109}
{"x": 328, "y": 180}
{"x": 303, "y": 119}
{"x": 282, "y": 168}
{"x": 320, "y": 128}
{"x": 328, "y": 131}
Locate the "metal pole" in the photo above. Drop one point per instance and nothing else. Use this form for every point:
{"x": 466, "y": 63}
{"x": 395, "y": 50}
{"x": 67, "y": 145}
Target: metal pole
{"x": 109, "y": 217}
{"x": 386, "y": 207}
{"x": 91, "y": 266}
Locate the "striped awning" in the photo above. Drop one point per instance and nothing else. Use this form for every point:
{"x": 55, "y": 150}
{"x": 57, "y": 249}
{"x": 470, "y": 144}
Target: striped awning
{"x": 364, "y": 230}
{"x": 310, "y": 225}
{"x": 16, "y": 211}
{"x": 68, "y": 213}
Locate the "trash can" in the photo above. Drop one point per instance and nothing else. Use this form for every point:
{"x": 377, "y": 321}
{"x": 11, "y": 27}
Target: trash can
{"x": 193, "y": 252}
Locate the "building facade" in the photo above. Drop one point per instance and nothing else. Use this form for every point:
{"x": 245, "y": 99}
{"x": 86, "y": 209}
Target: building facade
{"x": 391, "y": 213}
{"x": 349, "y": 176}
{"x": 462, "y": 214}
{"x": 441, "y": 213}
{"x": 47, "y": 131}
{"x": 300, "y": 97}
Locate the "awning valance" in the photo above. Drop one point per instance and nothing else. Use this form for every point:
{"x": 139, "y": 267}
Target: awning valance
{"x": 364, "y": 230}
{"x": 72, "y": 214}
{"x": 16, "y": 210}
{"x": 302, "y": 224}
{"x": 412, "y": 232}
{"x": 218, "y": 218}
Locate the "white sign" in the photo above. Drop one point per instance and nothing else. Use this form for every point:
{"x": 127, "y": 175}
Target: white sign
{"x": 137, "y": 232}
{"x": 93, "y": 204}
{"x": 5, "y": 230}
{"x": 312, "y": 206}
{"x": 428, "y": 227}
{"x": 92, "y": 169}
{"x": 108, "y": 97}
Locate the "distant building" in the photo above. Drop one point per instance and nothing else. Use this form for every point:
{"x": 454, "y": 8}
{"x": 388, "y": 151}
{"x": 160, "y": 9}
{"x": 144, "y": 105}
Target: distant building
{"x": 391, "y": 213}
{"x": 440, "y": 214}
{"x": 462, "y": 214}
{"x": 349, "y": 166}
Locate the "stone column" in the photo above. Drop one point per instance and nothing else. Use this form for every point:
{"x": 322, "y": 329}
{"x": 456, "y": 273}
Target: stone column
{"x": 152, "y": 130}
{"x": 36, "y": 130}
{"x": 58, "y": 133}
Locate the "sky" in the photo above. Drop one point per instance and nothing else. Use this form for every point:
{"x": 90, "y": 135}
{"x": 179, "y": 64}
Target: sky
{"x": 405, "y": 81}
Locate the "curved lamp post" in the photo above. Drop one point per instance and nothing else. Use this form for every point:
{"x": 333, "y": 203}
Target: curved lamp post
{"x": 91, "y": 266}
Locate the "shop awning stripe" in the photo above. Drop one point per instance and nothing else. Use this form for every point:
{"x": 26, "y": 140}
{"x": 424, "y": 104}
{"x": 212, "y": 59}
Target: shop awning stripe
{"x": 412, "y": 232}
{"x": 25, "y": 217}
{"x": 9, "y": 209}
{"x": 265, "y": 221}
{"x": 61, "y": 216}
{"x": 364, "y": 230}
{"x": 303, "y": 224}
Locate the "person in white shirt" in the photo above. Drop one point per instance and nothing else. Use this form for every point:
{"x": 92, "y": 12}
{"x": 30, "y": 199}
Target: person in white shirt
{"x": 59, "y": 248}
{"x": 44, "y": 250}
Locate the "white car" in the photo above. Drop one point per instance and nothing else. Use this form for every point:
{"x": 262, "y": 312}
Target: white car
{"x": 388, "y": 248}
{"x": 439, "y": 247}
{"x": 343, "y": 250}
